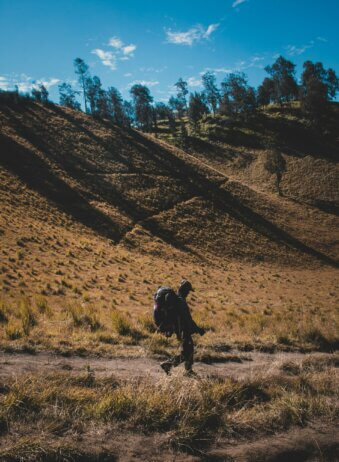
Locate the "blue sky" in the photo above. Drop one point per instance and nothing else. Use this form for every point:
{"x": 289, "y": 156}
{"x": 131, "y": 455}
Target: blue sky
{"x": 155, "y": 43}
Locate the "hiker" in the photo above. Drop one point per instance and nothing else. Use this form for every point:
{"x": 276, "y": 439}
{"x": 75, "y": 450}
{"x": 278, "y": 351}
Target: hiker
{"x": 179, "y": 321}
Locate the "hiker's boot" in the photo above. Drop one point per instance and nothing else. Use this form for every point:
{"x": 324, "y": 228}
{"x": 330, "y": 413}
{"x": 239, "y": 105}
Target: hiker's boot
{"x": 166, "y": 366}
{"x": 190, "y": 373}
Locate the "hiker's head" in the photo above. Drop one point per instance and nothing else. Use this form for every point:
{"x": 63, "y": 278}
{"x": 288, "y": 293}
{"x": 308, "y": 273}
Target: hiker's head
{"x": 185, "y": 288}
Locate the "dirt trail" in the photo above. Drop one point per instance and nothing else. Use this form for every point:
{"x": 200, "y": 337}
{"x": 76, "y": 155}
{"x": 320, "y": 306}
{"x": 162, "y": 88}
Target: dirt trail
{"x": 238, "y": 366}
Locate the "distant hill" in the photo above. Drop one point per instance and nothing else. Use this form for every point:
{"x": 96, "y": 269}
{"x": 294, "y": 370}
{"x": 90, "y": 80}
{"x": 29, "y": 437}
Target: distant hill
{"x": 64, "y": 168}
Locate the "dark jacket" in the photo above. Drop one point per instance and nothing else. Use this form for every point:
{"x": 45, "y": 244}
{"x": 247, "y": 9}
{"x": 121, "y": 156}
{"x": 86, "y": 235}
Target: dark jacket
{"x": 186, "y": 325}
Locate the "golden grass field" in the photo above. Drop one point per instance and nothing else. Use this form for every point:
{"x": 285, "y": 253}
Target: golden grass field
{"x": 93, "y": 219}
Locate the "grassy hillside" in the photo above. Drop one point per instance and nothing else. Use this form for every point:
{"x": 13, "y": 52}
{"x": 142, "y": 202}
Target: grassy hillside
{"x": 240, "y": 148}
{"x": 93, "y": 218}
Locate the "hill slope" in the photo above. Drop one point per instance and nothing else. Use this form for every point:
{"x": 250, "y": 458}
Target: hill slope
{"x": 64, "y": 168}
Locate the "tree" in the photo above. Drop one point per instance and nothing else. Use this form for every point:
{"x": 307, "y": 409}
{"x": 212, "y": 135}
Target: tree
{"x": 40, "y": 92}
{"x": 196, "y": 109}
{"x": 129, "y": 114}
{"x": 68, "y": 96}
{"x": 165, "y": 112}
{"x": 182, "y": 91}
{"x": 142, "y": 100}
{"x": 285, "y": 86}
{"x": 265, "y": 94}
{"x": 179, "y": 103}
{"x": 115, "y": 106}
{"x": 238, "y": 97}
{"x": 97, "y": 97}
{"x": 81, "y": 69}
{"x": 44, "y": 93}
{"x": 318, "y": 87}
{"x": 211, "y": 90}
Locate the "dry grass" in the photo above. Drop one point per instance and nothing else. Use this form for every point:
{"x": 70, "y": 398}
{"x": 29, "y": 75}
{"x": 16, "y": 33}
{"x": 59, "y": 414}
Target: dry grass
{"x": 87, "y": 238}
{"x": 191, "y": 411}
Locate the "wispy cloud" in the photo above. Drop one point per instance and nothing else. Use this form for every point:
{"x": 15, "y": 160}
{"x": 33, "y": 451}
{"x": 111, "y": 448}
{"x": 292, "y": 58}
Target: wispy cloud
{"x": 48, "y": 83}
{"x": 237, "y": 3}
{"x": 194, "y": 34}
{"x": 217, "y": 70}
{"x": 108, "y": 58}
{"x": 210, "y": 29}
{"x": 129, "y": 49}
{"x": 25, "y": 83}
{"x": 194, "y": 82}
{"x": 4, "y": 83}
{"x": 147, "y": 83}
{"x": 295, "y": 50}
{"x": 153, "y": 69}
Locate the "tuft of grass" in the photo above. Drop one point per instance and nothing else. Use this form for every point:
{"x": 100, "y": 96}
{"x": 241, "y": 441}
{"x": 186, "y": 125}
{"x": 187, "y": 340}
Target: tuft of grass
{"x": 147, "y": 323}
{"x": 84, "y": 316}
{"x": 43, "y": 306}
{"x": 3, "y": 313}
{"x": 121, "y": 324}
{"x": 13, "y": 330}
{"x": 28, "y": 317}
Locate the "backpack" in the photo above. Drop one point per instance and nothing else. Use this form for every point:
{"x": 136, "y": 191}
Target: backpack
{"x": 165, "y": 311}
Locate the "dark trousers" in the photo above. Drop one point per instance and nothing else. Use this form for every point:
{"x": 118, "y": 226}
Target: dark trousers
{"x": 186, "y": 354}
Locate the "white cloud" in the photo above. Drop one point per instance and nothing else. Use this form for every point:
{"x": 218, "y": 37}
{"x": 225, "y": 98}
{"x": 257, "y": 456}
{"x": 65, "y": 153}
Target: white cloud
{"x": 47, "y": 83}
{"x": 322, "y": 39}
{"x": 294, "y": 50}
{"x": 25, "y": 83}
{"x": 107, "y": 58}
{"x": 128, "y": 74}
{"x": 115, "y": 42}
{"x": 153, "y": 69}
{"x": 210, "y": 29}
{"x": 217, "y": 70}
{"x": 237, "y": 3}
{"x": 194, "y": 34}
{"x": 121, "y": 52}
{"x": 147, "y": 83}
{"x": 129, "y": 49}
{"x": 4, "y": 83}
{"x": 194, "y": 82}
{"x": 126, "y": 50}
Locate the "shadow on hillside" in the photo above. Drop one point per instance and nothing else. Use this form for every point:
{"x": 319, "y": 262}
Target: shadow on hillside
{"x": 224, "y": 200}
{"x": 37, "y": 174}
{"x": 284, "y": 128}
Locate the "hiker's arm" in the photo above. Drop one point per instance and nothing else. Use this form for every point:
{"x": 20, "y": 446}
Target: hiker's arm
{"x": 188, "y": 320}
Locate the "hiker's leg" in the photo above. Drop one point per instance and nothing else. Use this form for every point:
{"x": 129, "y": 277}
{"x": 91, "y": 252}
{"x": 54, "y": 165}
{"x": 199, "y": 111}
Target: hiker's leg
{"x": 174, "y": 361}
{"x": 188, "y": 351}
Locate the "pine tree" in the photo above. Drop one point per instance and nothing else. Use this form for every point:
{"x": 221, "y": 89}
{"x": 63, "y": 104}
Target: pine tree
{"x": 81, "y": 69}
{"x": 68, "y": 96}
{"x": 211, "y": 90}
